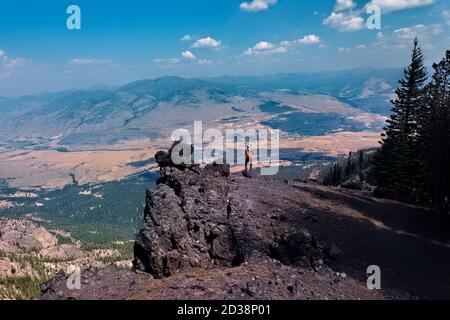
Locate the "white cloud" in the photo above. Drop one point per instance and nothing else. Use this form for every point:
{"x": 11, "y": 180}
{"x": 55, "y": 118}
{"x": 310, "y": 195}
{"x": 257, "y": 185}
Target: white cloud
{"x": 343, "y": 18}
{"x": 265, "y": 48}
{"x": 82, "y": 61}
{"x": 347, "y": 50}
{"x": 446, "y": 15}
{"x": 263, "y": 45}
{"x": 420, "y": 30}
{"x": 344, "y": 50}
{"x": 402, "y": 38}
{"x": 9, "y": 65}
{"x": 394, "y": 5}
{"x": 170, "y": 61}
{"x": 436, "y": 30}
{"x": 12, "y": 63}
{"x": 173, "y": 60}
{"x": 257, "y": 5}
{"x": 188, "y": 37}
{"x": 345, "y": 21}
{"x": 207, "y": 42}
{"x": 344, "y": 5}
{"x": 188, "y": 55}
{"x": 309, "y": 39}
{"x": 205, "y": 61}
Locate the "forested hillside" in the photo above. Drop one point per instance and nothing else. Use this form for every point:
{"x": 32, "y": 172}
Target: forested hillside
{"x": 412, "y": 163}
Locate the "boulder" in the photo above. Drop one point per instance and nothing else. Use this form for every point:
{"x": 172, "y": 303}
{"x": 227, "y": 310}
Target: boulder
{"x": 208, "y": 219}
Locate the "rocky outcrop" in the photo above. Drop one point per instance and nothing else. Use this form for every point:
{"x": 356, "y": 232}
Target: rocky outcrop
{"x": 213, "y": 219}
{"x": 22, "y": 235}
{"x": 215, "y": 235}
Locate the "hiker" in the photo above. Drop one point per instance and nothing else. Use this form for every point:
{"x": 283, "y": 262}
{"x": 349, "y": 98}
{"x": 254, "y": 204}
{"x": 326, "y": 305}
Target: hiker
{"x": 248, "y": 158}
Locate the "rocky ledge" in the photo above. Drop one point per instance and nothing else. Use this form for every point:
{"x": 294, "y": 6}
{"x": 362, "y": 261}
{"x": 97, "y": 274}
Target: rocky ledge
{"x": 209, "y": 234}
{"x": 208, "y": 219}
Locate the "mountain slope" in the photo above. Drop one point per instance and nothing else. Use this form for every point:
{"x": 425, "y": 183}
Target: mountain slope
{"x": 368, "y": 89}
{"x": 272, "y": 240}
{"x": 136, "y": 110}
{"x": 153, "y": 108}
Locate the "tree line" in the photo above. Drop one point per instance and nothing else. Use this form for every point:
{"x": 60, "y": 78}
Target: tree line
{"x": 358, "y": 164}
{"x": 413, "y": 161}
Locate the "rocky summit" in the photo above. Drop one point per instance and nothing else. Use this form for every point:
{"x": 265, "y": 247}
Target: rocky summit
{"x": 214, "y": 219}
{"x": 211, "y": 234}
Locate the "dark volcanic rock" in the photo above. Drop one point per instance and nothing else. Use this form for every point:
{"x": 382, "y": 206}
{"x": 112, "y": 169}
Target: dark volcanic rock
{"x": 259, "y": 278}
{"x": 212, "y": 235}
{"x": 190, "y": 221}
{"x": 204, "y": 220}
{"x": 299, "y": 249}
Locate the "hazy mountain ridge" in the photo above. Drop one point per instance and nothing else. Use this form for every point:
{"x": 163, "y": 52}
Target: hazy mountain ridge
{"x": 349, "y": 85}
{"x": 146, "y": 108}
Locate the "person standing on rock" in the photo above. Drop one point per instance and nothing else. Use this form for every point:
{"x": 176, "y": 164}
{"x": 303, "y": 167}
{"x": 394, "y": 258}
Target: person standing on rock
{"x": 248, "y": 158}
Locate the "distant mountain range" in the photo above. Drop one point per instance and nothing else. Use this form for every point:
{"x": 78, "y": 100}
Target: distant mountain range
{"x": 366, "y": 88}
{"x": 147, "y": 108}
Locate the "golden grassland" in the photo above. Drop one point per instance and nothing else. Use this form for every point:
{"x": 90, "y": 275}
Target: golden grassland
{"x": 53, "y": 169}
{"x": 336, "y": 144}
{"x": 49, "y": 169}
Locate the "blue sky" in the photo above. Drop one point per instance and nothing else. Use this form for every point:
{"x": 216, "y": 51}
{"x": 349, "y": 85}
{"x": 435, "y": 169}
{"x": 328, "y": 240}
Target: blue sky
{"x": 122, "y": 41}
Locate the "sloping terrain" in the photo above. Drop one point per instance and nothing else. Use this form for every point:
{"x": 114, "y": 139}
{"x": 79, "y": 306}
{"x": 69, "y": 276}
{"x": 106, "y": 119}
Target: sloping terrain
{"x": 153, "y": 108}
{"x": 30, "y": 254}
{"x": 367, "y": 89}
{"x": 258, "y": 278}
{"x": 217, "y": 236}
{"x": 51, "y": 140}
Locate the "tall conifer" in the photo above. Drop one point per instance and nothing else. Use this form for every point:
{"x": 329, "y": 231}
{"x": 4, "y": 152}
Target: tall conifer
{"x": 396, "y": 162}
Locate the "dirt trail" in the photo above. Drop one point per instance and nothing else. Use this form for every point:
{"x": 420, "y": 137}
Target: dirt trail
{"x": 411, "y": 250}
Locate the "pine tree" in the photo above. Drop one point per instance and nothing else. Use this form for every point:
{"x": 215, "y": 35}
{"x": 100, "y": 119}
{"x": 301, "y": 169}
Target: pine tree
{"x": 396, "y": 162}
{"x": 434, "y": 138}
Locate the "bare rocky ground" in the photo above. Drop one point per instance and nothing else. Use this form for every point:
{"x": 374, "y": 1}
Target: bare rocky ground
{"x": 23, "y": 240}
{"x": 212, "y": 235}
{"x": 258, "y": 278}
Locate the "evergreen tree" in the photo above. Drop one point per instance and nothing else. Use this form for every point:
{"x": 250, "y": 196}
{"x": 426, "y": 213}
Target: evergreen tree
{"x": 396, "y": 162}
{"x": 434, "y": 138}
